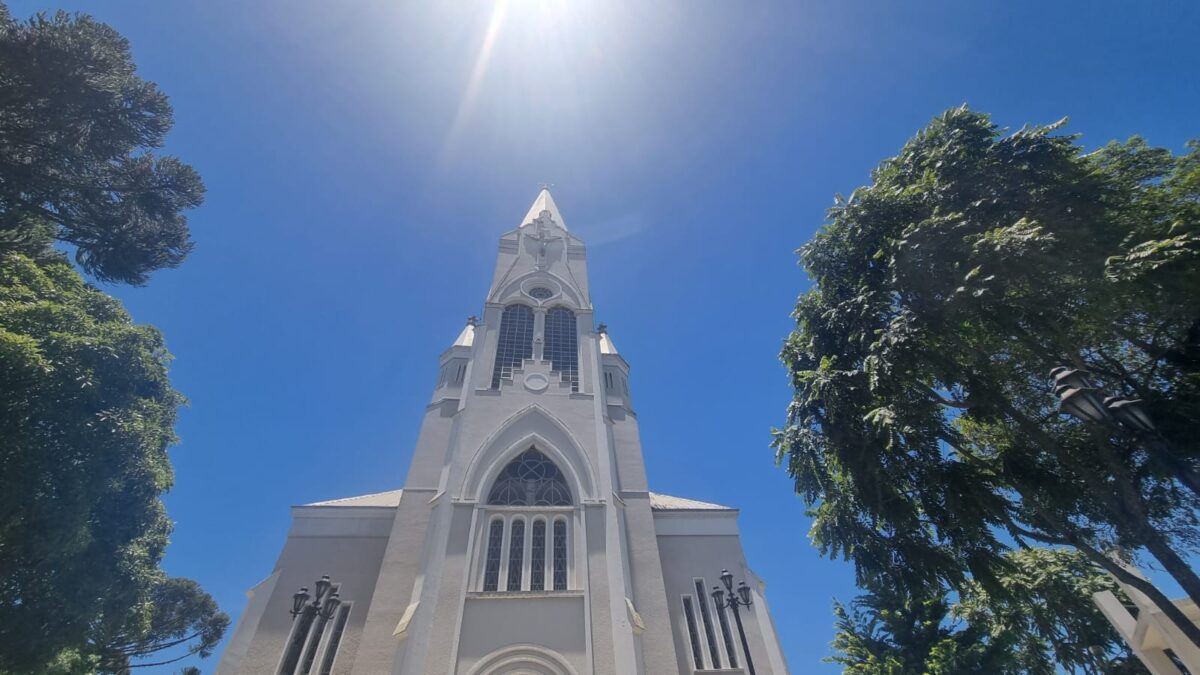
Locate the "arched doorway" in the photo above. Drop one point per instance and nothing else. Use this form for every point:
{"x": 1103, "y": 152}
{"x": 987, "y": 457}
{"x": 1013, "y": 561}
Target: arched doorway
{"x": 523, "y": 660}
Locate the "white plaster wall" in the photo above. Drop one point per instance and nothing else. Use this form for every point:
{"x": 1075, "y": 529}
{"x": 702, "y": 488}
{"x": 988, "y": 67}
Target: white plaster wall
{"x": 555, "y": 622}
{"x": 685, "y": 557}
{"x": 345, "y": 543}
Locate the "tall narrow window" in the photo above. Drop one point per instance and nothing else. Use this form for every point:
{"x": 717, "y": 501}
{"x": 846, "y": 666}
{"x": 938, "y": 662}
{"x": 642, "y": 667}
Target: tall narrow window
{"x": 560, "y": 555}
{"x": 310, "y": 649}
{"x": 689, "y": 614}
{"x": 515, "y": 342}
{"x": 335, "y": 638}
{"x": 299, "y": 637}
{"x": 516, "y": 550}
{"x": 491, "y": 570}
{"x": 537, "y": 557}
{"x": 709, "y": 633}
{"x": 562, "y": 345}
{"x": 723, "y": 617}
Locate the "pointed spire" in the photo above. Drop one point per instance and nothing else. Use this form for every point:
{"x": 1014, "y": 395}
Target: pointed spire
{"x": 467, "y": 337}
{"x": 544, "y": 202}
{"x": 606, "y": 343}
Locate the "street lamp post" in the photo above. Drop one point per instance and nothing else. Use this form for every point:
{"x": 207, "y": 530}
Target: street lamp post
{"x": 320, "y": 610}
{"x": 1078, "y": 397}
{"x": 725, "y": 597}
{"x": 323, "y": 605}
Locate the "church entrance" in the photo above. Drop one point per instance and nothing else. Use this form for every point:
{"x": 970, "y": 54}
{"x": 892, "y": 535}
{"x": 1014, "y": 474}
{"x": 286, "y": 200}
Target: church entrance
{"x": 523, "y": 660}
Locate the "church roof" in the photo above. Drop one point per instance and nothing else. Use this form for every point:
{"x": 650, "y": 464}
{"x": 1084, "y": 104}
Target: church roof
{"x": 658, "y": 502}
{"x": 389, "y": 498}
{"x": 544, "y": 202}
{"x": 668, "y": 503}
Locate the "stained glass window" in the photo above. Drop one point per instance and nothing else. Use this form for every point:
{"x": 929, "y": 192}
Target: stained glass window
{"x": 541, "y": 293}
{"x": 491, "y": 571}
{"x": 690, "y": 615}
{"x": 560, "y": 555}
{"x": 530, "y": 480}
{"x": 562, "y": 345}
{"x": 515, "y": 342}
{"x": 537, "y": 557}
{"x": 516, "y": 550}
{"x": 709, "y": 633}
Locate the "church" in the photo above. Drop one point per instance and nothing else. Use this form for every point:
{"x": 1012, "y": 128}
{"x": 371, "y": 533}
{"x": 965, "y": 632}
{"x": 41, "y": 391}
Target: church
{"x": 525, "y": 538}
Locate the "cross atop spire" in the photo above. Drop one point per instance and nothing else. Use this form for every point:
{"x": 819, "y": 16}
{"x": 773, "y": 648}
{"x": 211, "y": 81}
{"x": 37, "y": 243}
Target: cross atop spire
{"x": 544, "y": 202}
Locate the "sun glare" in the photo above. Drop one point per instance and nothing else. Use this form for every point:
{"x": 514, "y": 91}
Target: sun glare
{"x": 536, "y": 65}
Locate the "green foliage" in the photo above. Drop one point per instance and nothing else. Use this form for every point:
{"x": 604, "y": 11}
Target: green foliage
{"x": 1045, "y": 623}
{"x": 178, "y": 616}
{"x": 86, "y": 416}
{"x": 76, "y": 127}
{"x": 924, "y": 432}
{"x": 86, "y": 410}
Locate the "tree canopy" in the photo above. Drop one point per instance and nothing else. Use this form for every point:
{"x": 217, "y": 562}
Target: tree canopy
{"x": 1044, "y": 624}
{"x": 86, "y": 410}
{"x": 76, "y": 128}
{"x": 924, "y": 431}
{"x": 86, "y": 416}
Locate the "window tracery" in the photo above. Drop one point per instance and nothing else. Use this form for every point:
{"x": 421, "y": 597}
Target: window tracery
{"x": 524, "y": 551}
{"x": 530, "y": 479}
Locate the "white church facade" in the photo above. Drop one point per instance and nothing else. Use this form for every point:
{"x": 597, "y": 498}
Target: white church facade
{"x": 525, "y": 539}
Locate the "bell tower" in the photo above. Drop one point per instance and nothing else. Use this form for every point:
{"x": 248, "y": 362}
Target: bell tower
{"x": 525, "y": 538}
{"x": 523, "y": 394}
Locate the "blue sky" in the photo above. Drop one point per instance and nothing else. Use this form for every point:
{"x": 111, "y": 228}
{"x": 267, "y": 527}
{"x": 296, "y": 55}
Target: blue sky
{"x": 363, "y": 157}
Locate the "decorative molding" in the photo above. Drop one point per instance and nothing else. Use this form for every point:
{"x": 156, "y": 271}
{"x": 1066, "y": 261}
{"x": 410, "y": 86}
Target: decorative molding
{"x": 401, "y": 631}
{"x": 527, "y": 656}
{"x": 695, "y": 523}
{"x": 635, "y": 619}
{"x": 536, "y": 382}
{"x": 572, "y": 460}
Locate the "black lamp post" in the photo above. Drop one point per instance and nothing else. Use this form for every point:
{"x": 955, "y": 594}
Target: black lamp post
{"x": 725, "y": 597}
{"x": 323, "y": 605}
{"x": 1079, "y": 398}
{"x": 313, "y": 616}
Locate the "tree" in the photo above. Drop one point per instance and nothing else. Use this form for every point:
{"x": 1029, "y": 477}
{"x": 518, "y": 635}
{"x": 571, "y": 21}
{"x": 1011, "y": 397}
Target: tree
{"x": 1044, "y": 624}
{"x": 183, "y": 621}
{"x": 86, "y": 410}
{"x": 86, "y": 416}
{"x": 76, "y": 127}
{"x": 891, "y": 632}
{"x": 924, "y": 431}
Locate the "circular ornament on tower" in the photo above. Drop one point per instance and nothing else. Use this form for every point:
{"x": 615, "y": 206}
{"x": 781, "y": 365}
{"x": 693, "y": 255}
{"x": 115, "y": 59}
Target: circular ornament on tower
{"x": 536, "y": 382}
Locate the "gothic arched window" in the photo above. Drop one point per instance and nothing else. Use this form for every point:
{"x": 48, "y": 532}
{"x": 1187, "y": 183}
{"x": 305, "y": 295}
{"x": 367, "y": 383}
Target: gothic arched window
{"x": 530, "y": 479}
{"x": 527, "y": 549}
{"x": 562, "y": 344}
{"x": 515, "y": 343}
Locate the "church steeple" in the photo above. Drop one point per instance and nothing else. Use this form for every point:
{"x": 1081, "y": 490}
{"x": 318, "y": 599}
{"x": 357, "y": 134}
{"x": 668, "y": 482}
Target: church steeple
{"x": 544, "y": 202}
{"x": 541, "y": 253}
